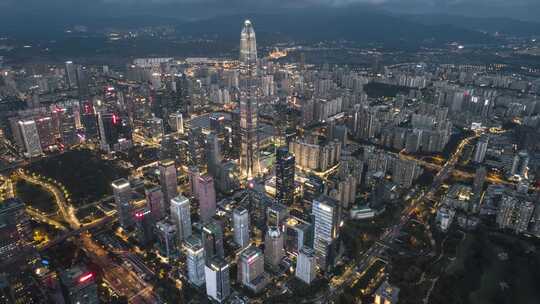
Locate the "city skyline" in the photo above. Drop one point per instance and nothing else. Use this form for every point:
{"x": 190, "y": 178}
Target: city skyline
{"x": 318, "y": 155}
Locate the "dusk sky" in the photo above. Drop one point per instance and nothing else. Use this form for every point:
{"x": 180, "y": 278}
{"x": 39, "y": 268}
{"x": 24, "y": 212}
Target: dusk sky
{"x": 518, "y": 9}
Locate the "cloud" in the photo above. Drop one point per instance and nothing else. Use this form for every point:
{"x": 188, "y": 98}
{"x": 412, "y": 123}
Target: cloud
{"x": 508, "y": 8}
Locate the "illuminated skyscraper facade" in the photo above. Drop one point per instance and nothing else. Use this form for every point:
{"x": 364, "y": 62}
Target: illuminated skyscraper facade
{"x": 284, "y": 177}
{"x": 241, "y": 226}
{"x": 248, "y": 44}
{"x": 122, "y": 198}
{"x": 249, "y": 146}
{"x": 325, "y": 211}
{"x": 167, "y": 180}
{"x": 194, "y": 260}
{"x": 181, "y": 216}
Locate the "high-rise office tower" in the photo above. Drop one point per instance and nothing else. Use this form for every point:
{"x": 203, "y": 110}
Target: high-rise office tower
{"x": 248, "y": 44}
{"x": 30, "y": 136}
{"x": 481, "y": 149}
{"x": 218, "y": 286}
{"x": 71, "y": 74}
{"x": 45, "y": 131}
{"x": 167, "y": 239}
{"x": 312, "y": 188}
{"x": 249, "y": 146}
{"x": 273, "y": 247}
{"x": 193, "y": 176}
{"x": 325, "y": 211}
{"x": 284, "y": 176}
{"x": 251, "y": 269}
{"x": 298, "y": 233}
{"x": 155, "y": 203}
{"x": 181, "y": 216}
{"x": 241, "y": 226}
{"x": 68, "y": 130}
{"x": 196, "y": 147}
{"x": 15, "y": 231}
{"x": 82, "y": 79}
{"x": 206, "y": 194}
{"x": 114, "y": 132}
{"x": 212, "y": 240}
{"x": 144, "y": 224}
{"x": 177, "y": 122}
{"x": 276, "y": 214}
{"x": 168, "y": 181}
{"x": 194, "y": 260}
{"x": 213, "y": 153}
{"x": 170, "y": 149}
{"x": 79, "y": 286}
{"x": 306, "y": 265}
{"x": 122, "y": 198}
{"x": 89, "y": 120}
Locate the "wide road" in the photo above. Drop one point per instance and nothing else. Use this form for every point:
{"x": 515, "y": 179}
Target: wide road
{"x": 122, "y": 281}
{"x": 66, "y": 210}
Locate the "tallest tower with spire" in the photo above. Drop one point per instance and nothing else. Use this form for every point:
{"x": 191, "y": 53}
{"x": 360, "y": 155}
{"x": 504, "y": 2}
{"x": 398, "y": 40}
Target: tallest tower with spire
{"x": 248, "y": 44}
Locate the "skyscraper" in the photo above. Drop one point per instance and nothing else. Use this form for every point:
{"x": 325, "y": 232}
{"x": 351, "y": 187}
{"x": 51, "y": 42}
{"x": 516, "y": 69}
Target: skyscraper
{"x": 71, "y": 74}
{"x": 306, "y": 265}
{"x": 312, "y": 188}
{"x": 114, "y": 132}
{"x": 273, "y": 247}
{"x": 30, "y": 136}
{"x": 212, "y": 240}
{"x": 45, "y": 131}
{"x": 155, "y": 203}
{"x": 167, "y": 180}
{"x": 325, "y": 211}
{"x": 206, "y": 195}
{"x": 194, "y": 260}
{"x": 213, "y": 153}
{"x": 122, "y": 198}
{"x": 193, "y": 176}
{"x": 249, "y": 146}
{"x": 284, "y": 176}
{"x": 248, "y": 44}
{"x": 181, "y": 216}
{"x": 196, "y": 147}
{"x": 241, "y": 227}
{"x": 298, "y": 233}
{"x": 144, "y": 224}
{"x": 218, "y": 286}
{"x": 251, "y": 269}
{"x": 177, "y": 122}
{"x": 276, "y": 214}
{"x": 167, "y": 239}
